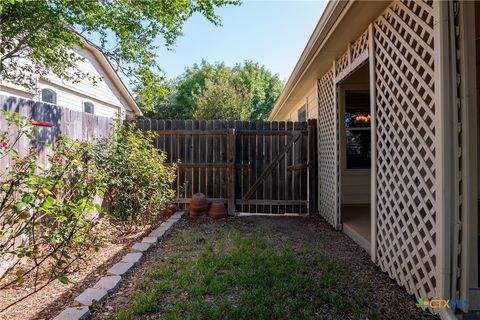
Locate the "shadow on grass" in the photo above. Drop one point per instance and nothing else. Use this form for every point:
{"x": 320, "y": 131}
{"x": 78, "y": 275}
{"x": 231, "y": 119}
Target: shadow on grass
{"x": 238, "y": 275}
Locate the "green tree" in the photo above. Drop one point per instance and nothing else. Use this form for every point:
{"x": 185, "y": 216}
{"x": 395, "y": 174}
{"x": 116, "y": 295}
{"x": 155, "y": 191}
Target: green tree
{"x": 262, "y": 86}
{"x": 181, "y": 102}
{"x": 127, "y": 31}
{"x": 227, "y": 99}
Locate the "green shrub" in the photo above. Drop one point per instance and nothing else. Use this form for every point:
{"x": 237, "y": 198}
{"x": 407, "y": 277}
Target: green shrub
{"x": 138, "y": 183}
{"x": 47, "y": 214}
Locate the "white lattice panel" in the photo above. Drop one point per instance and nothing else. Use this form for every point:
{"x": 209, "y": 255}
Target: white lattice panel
{"x": 354, "y": 57}
{"x": 342, "y": 63}
{"x": 328, "y": 167}
{"x": 360, "y": 46}
{"x": 405, "y": 147}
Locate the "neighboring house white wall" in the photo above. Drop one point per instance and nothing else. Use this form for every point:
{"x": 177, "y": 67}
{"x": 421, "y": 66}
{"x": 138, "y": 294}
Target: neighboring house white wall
{"x": 105, "y": 96}
{"x": 69, "y": 98}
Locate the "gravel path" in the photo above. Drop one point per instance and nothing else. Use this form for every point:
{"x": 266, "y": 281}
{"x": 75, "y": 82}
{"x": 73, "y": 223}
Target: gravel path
{"x": 299, "y": 234}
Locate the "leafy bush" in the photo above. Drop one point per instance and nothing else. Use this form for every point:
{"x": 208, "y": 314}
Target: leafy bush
{"x": 138, "y": 183}
{"x": 47, "y": 214}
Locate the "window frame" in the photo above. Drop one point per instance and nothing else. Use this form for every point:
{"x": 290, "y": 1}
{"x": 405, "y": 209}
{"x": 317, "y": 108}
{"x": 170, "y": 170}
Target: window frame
{"x": 303, "y": 108}
{"x": 93, "y": 106}
{"x": 342, "y": 89}
{"x": 55, "y": 95}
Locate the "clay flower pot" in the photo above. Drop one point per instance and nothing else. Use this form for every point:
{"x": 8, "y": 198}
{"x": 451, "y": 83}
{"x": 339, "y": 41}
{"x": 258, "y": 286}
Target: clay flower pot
{"x": 167, "y": 213}
{"x": 217, "y": 210}
{"x": 198, "y": 205}
{"x": 173, "y": 207}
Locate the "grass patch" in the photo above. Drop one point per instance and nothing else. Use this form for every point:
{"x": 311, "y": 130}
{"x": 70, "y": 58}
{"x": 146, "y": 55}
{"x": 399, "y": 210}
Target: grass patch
{"x": 234, "y": 275}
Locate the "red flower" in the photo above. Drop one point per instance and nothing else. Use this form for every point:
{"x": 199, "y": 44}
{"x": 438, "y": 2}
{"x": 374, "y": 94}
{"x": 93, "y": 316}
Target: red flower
{"x": 57, "y": 159}
{"x": 3, "y": 145}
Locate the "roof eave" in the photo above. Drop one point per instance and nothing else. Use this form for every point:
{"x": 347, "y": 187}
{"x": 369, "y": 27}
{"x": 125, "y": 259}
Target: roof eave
{"x": 341, "y": 23}
{"x": 329, "y": 16}
{"x": 117, "y": 81}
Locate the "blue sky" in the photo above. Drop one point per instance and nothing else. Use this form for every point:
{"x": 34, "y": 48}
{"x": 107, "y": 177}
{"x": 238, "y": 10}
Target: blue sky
{"x": 273, "y": 33}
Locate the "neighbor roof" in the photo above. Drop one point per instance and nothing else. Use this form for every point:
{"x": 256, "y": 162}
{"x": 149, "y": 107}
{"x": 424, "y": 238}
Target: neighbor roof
{"x": 117, "y": 81}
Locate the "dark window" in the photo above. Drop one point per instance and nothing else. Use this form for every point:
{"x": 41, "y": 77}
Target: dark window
{"x": 357, "y": 129}
{"x": 302, "y": 113}
{"x": 49, "y": 96}
{"x": 88, "y": 107}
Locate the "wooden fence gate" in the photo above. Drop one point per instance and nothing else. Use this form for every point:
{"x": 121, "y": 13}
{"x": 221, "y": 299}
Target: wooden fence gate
{"x": 253, "y": 166}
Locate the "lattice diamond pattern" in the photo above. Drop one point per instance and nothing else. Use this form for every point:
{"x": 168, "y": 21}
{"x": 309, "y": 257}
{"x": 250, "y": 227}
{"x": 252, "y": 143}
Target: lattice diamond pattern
{"x": 360, "y": 45}
{"x": 406, "y": 194}
{"x": 328, "y": 168}
{"x": 342, "y": 63}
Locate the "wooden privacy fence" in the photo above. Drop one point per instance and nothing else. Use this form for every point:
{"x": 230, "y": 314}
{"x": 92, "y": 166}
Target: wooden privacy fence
{"x": 75, "y": 124}
{"x": 254, "y": 166}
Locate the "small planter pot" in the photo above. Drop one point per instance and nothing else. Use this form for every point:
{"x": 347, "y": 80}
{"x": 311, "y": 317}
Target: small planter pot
{"x": 217, "y": 210}
{"x": 167, "y": 213}
{"x": 198, "y": 205}
{"x": 173, "y": 207}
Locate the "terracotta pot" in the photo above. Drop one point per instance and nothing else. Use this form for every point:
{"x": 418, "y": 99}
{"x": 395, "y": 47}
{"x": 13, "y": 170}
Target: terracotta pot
{"x": 198, "y": 205}
{"x": 173, "y": 207}
{"x": 217, "y": 210}
{"x": 167, "y": 213}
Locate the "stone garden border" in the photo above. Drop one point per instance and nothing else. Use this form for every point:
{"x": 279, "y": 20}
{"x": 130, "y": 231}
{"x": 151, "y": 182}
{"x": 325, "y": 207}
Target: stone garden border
{"x": 110, "y": 282}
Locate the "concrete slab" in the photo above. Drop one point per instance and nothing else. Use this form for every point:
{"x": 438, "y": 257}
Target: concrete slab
{"x": 76, "y": 313}
{"x": 109, "y": 283}
{"x": 168, "y": 224}
{"x": 141, "y": 247}
{"x": 357, "y": 224}
{"x": 151, "y": 240}
{"x": 133, "y": 257}
{"x": 158, "y": 233}
{"x": 119, "y": 269}
{"x": 178, "y": 214}
{"x": 90, "y": 296}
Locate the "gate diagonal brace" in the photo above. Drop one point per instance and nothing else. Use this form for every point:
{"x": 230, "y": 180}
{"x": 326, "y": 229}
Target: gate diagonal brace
{"x": 271, "y": 166}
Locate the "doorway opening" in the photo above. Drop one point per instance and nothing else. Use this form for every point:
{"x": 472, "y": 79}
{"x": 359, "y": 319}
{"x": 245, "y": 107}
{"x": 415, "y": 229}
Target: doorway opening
{"x": 355, "y": 156}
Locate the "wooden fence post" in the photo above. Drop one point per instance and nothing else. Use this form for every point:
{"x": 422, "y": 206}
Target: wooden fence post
{"x": 312, "y": 172}
{"x": 231, "y": 154}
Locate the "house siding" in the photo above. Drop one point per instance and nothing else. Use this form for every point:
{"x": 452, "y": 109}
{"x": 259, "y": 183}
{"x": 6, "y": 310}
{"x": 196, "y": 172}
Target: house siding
{"x": 107, "y": 99}
{"x": 104, "y": 90}
{"x": 69, "y": 98}
{"x": 310, "y": 100}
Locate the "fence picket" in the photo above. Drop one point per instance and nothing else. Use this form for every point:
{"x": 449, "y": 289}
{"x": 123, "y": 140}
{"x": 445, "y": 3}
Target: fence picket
{"x": 77, "y": 125}
{"x": 220, "y": 163}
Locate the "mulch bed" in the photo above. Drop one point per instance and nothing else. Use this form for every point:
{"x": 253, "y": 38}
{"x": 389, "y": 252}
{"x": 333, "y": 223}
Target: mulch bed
{"x": 297, "y": 233}
{"x": 51, "y": 300}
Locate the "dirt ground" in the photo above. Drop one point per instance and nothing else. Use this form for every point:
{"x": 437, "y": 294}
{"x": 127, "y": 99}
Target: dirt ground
{"x": 51, "y": 300}
{"x": 297, "y": 233}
